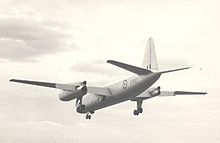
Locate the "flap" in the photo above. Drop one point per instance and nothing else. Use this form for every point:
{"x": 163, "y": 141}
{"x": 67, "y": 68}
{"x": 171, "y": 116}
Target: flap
{"x": 103, "y": 91}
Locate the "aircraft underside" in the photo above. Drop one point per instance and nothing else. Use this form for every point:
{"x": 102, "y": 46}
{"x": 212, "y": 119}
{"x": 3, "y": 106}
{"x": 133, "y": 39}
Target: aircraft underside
{"x": 90, "y": 109}
{"x": 91, "y": 102}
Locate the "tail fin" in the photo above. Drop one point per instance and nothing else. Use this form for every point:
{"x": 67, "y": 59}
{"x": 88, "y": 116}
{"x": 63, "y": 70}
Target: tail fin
{"x": 150, "y": 59}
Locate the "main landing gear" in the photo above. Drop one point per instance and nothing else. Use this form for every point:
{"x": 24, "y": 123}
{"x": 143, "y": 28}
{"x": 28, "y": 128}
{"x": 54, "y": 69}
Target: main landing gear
{"x": 139, "y": 108}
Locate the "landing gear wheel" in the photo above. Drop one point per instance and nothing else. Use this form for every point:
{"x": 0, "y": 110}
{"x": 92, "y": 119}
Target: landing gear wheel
{"x": 135, "y": 112}
{"x": 140, "y": 110}
{"x": 88, "y": 116}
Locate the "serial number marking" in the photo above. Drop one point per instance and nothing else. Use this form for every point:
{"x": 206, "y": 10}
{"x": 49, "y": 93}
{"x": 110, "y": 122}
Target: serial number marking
{"x": 133, "y": 81}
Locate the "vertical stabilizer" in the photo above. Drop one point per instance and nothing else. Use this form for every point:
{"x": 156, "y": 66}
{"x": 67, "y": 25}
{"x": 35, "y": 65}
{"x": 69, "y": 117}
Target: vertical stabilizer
{"x": 150, "y": 60}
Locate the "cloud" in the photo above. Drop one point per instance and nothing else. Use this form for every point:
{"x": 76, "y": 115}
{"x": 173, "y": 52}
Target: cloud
{"x": 2, "y": 116}
{"x": 95, "y": 67}
{"x": 30, "y": 131}
{"x": 99, "y": 66}
{"x": 43, "y": 125}
{"x": 24, "y": 39}
{"x": 98, "y": 72}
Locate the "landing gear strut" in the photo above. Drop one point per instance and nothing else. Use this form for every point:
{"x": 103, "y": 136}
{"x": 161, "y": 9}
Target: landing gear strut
{"x": 139, "y": 108}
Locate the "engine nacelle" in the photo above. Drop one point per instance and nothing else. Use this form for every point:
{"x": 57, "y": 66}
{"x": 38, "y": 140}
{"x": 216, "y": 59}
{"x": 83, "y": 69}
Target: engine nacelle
{"x": 67, "y": 95}
{"x": 155, "y": 91}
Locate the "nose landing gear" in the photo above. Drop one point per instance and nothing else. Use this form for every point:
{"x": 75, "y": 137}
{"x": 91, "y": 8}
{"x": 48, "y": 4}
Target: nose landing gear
{"x": 88, "y": 116}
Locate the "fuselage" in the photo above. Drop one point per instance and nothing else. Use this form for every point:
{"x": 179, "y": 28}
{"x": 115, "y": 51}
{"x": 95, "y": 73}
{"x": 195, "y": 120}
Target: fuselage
{"x": 121, "y": 91}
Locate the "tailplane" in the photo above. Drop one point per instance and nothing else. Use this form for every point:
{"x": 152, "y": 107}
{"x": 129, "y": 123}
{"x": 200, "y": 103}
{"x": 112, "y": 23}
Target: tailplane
{"x": 149, "y": 63}
{"x": 133, "y": 69}
{"x": 166, "y": 71}
{"x": 150, "y": 60}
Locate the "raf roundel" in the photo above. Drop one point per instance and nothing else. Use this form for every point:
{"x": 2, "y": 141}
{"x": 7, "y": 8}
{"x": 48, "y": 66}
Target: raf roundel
{"x": 124, "y": 84}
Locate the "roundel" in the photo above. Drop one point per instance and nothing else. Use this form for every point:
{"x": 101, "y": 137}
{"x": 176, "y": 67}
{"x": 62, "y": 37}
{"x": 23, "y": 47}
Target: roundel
{"x": 124, "y": 84}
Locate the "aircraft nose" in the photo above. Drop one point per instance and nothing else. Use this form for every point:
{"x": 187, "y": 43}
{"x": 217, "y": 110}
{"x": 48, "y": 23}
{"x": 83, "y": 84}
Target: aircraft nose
{"x": 81, "y": 109}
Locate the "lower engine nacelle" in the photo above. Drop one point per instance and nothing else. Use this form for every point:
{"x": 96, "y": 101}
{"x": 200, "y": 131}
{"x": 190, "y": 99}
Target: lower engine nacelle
{"x": 67, "y": 95}
{"x": 155, "y": 91}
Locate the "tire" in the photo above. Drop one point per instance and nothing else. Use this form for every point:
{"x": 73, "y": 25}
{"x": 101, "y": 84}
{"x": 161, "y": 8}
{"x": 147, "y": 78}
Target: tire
{"x": 135, "y": 112}
{"x": 140, "y": 110}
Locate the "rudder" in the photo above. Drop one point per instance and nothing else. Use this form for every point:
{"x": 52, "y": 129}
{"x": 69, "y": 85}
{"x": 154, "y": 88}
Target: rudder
{"x": 150, "y": 60}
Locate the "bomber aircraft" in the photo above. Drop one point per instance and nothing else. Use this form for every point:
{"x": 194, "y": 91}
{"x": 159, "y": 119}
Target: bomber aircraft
{"x": 136, "y": 88}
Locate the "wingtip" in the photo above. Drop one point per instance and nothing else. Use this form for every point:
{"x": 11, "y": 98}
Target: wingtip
{"x": 186, "y": 68}
{"x": 203, "y": 93}
{"x": 11, "y": 80}
{"x": 109, "y": 61}
{"x": 150, "y": 38}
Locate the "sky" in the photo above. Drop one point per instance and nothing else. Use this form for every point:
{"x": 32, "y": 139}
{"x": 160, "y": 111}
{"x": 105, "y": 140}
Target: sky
{"x": 70, "y": 41}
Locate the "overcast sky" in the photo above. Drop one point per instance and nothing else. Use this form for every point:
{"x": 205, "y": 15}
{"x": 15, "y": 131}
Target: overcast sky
{"x": 70, "y": 41}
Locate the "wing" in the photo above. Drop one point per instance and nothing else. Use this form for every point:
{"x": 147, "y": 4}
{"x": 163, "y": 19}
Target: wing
{"x": 144, "y": 95}
{"x": 153, "y": 92}
{"x": 174, "y": 93}
{"x": 94, "y": 90}
{"x": 46, "y": 84}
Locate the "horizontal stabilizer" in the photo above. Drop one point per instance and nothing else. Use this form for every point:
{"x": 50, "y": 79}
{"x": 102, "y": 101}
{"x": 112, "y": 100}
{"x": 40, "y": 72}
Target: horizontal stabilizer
{"x": 166, "y": 71}
{"x": 133, "y": 69}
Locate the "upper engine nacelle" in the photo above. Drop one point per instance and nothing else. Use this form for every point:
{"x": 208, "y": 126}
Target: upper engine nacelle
{"x": 78, "y": 91}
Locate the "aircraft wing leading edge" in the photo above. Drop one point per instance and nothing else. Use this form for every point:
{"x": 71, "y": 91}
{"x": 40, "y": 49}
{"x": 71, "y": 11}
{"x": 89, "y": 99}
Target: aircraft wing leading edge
{"x": 38, "y": 83}
{"x": 174, "y": 93}
{"x": 147, "y": 94}
{"x": 46, "y": 84}
{"x": 102, "y": 91}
